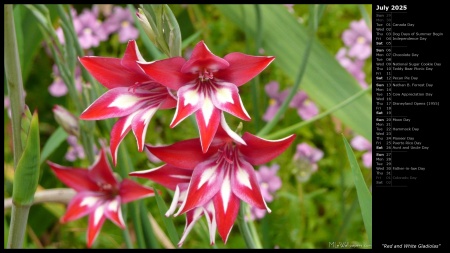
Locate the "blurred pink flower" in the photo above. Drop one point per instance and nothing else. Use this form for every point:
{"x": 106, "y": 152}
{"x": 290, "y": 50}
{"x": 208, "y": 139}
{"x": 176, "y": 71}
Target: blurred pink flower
{"x": 276, "y": 99}
{"x": 58, "y": 88}
{"x": 290, "y": 7}
{"x": 89, "y": 29}
{"x": 270, "y": 182}
{"x": 122, "y": 22}
{"x": 354, "y": 67}
{"x": 306, "y": 109}
{"x": 75, "y": 150}
{"x": 309, "y": 154}
{"x": 359, "y": 40}
{"x": 361, "y": 144}
{"x": 305, "y": 161}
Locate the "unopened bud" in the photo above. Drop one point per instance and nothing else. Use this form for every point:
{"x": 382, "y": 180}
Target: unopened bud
{"x": 146, "y": 25}
{"x": 66, "y": 120}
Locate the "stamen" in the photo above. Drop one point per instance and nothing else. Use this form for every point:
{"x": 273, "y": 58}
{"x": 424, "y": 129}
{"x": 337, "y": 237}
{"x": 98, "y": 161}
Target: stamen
{"x": 205, "y": 75}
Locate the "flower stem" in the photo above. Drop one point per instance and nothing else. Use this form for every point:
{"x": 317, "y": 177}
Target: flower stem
{"x": 19, "y": 215}
{"x": 313, "y": 25}
{"x": 14, "y": 79}
{"x": 243, "y": 227}
{"x": 294, "y": 127}
{"x": 255, "y": 83}
{"x": 271, "y": 124}
{"x": 258, "y": 244}
{"x": 19, "y": 219}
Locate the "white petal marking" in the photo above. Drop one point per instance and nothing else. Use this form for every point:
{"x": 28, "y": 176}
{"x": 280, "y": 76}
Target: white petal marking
{"x": 207, "y": 175}
{"x": 89, "y": 201}
{"x": 146, "y": 118}
{"x": 207, "y": 109}
{"x": 225, "y": 191}
{"x": 124, "y": 101}
{"x": 128, "y": 121}
{"x": 174, "y": 203}
{"x": 230, "y": 132}
{"x": 180, "y": 176}
{"x": 191, "y": 97}
{"x": 243, "y": 177}
{"x": 98, "y": 214}
{"x": 224, "y": 95}
{"x": 112, "y": 206}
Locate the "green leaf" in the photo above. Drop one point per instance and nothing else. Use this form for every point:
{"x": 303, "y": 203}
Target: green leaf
{"x": 26, "y": 176}
{"x": 149, "y": 235}
{"x": 53, "y": 143}
{"x": 172, "y": 232}
{"x": 5, "y": 232}
{"x": 326, "y": 81}
{"x": 29, "y": 39}
{"x": 364, "y": 196}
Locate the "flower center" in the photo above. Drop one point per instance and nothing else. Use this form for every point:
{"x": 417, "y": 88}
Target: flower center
{"x": 87, "y": 31}
{"x": 108, "y": 188}
{"x": 205, "y": 75}
{"x": 272, "y": 101}
{"x": 147, "y": 85}
{"x": 227, "y": 154}
{"x": 125, "y": 24}
{"x": 361, "y": 40}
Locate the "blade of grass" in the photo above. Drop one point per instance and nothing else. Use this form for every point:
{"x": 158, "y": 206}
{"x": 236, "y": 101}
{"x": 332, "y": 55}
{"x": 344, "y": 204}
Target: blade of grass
{"x": 364, "y": 196}
{"x": 173, "y": 235}
{"x": 293, "y": 128}
{"x": 326, "y": 82}
{"x": 149, "y": 235}
{"x": 53, "y": 143}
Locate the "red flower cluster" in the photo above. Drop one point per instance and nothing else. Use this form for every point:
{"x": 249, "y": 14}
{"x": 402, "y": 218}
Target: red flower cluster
{"x": 210, "y": 174}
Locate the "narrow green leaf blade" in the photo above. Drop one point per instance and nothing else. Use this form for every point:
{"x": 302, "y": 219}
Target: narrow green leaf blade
{"x": 326, "y": 82}
{"x": 172, "y": 232}
{"x": 53, "y": 143}
{"x": 364, "y": 196}
{"x": 149, "y": 235}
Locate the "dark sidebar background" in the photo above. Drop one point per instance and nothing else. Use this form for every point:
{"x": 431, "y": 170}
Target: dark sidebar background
{"x": 410, "y": 108}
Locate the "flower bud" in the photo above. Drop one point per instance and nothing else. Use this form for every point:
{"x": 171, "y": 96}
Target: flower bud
{"x": 66, "y": 120}
{"x": 146, "y": 25}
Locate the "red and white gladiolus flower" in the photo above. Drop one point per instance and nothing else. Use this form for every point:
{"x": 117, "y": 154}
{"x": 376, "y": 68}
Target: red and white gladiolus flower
{"x": 218, "y": 179}
{"x": 99, "y": 194}
{"x": 207, "y": 85}
{"x": 133, "y": 96}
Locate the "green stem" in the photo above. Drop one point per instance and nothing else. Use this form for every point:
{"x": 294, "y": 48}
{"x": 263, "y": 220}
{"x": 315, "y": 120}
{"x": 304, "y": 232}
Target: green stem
{"x": 127, "y": 238}
{"x": 255, "y": 83}
{"x": 301, "y": 201}
{"x": 245, "y": 231}
{"x": 346, "y": 221}
{"x": 14, "y": 79}
{"x": 266, "y": 129}
{"x": 313, "y": 25}
{"x": 19, "y": 219}
{"x": 19, "y": 214}
{"x": 258, "y": 244}
{"x": 149, "y": 234}
{"x": 294, "y": 127}
{"x": 134, "y": 209}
